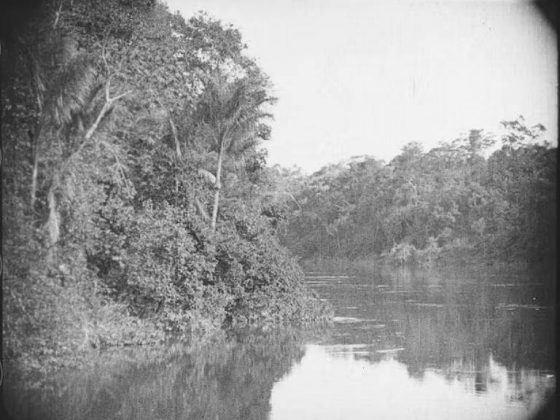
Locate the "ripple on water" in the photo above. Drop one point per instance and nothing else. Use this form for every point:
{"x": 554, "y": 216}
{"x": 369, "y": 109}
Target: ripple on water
{"x": 351, "y": 320}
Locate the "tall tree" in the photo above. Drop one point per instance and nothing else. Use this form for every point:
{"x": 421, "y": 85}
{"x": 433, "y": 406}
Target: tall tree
{"x": 229, "y": 115}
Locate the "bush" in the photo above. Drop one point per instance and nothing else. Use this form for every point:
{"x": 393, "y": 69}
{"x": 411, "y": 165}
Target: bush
{"x": 264, "y": 280}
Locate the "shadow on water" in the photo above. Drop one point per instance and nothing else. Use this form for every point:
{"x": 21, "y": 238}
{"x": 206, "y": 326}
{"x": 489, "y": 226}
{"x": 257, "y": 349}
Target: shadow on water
{"x": 223, "y": 379}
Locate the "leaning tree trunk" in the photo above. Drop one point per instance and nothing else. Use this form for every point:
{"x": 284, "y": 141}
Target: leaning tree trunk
{"x": 34, "y": 175}
{"x": 178, "y": 157}
{"x": 217, "y": 187}
{"x": 35, "y": 156}
{"x": 53, "y": 223}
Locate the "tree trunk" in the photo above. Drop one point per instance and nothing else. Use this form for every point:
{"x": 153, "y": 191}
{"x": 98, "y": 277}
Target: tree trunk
{"x": 35, "y": 156}
{"x": 176, "y": 139}
{"x": 217, "y": 186}
{"x": 179, "y": 157}
{"x": 53, "y": 224}
{"x": 34, "y": 175}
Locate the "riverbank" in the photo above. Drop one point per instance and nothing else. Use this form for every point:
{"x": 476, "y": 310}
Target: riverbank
{"x": 399, "y": 330}
{"x": 128, "y": 216}
{"x": 82, "y": 332}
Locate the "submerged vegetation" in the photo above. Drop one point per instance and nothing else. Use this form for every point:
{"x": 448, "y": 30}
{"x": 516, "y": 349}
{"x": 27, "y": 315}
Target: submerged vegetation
{"x": 134, "y": 184}
{"x": 482, "y": 197}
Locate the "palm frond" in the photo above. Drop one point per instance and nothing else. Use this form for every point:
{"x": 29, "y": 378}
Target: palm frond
{"x": 208, "y": 176}
{"x": 73, "y": 90}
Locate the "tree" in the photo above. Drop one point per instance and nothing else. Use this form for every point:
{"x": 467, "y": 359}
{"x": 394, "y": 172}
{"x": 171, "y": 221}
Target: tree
{"x": 229, "y": 115}
{"x": 451, "y": 198}
{"x": 113, "y": 111}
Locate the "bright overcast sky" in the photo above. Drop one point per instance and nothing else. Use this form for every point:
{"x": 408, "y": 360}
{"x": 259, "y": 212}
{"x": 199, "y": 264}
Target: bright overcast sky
{"x": 358, "y": 77}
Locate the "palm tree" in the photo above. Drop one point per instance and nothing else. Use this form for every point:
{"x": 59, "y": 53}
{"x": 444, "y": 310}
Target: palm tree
{"x": 229, "y": 115}
{"x": 71, "y": 114}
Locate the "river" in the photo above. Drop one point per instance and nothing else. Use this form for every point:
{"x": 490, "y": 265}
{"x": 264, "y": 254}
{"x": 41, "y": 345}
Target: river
{"x": 404, "y": 345}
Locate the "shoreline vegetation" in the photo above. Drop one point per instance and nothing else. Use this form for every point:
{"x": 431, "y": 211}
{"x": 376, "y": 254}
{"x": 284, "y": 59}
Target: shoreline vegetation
{"x": 485, "y": 199}
{"x": 135, "y": 187}
{"x": 138, "y": 205}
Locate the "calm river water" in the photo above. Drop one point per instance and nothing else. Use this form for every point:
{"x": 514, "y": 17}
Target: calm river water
{"x": 404, "y": 345}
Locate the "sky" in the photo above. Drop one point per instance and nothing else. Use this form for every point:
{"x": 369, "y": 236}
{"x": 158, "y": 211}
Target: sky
{"x": 356, "y": 77}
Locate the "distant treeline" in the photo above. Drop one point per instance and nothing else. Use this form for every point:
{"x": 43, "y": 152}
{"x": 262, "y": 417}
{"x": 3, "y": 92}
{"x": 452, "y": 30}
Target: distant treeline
{"x": 134, "y": 182}
{"x": 491, "y": 197}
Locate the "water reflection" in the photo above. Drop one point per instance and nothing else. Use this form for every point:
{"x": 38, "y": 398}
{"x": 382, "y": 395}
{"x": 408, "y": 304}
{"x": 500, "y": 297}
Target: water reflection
{"x": 403, "y": 345}
{"x": 487, "y": 342}
{"x": 226, "y": 379}
{"x": 358, "y": 389}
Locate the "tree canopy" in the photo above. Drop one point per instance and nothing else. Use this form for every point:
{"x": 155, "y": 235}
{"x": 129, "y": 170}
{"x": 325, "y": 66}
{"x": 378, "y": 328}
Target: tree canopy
{"x": 124, "y": 128}
{"x": 482, "y": 195}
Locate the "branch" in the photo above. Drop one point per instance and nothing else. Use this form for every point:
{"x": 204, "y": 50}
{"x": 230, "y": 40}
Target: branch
{"x": 294, "y": 200}
{"x": 104, "y": 110}
{"x": 104, "y": 57}
{"x": 55, "y": 24}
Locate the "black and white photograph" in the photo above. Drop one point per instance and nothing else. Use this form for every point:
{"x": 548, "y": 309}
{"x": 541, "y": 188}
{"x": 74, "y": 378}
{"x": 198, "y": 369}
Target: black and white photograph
{"x": 279, "y": 209}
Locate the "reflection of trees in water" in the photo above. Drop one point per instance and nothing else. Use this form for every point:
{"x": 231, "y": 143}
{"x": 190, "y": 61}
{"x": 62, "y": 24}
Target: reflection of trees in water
{"x": 440, "y": 320}
{"x": 470, "y": 327}
{"x": 490, "y": 339}
{"x": 225, "y": 379}
{"x": 519, "y": 385}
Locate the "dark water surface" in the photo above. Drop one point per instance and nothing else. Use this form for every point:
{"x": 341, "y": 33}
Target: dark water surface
{"x": 404, "y": 345}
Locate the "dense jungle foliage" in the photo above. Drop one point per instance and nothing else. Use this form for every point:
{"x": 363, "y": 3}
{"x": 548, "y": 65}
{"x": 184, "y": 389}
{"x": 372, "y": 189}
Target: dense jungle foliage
{"x": 484, "y": 197}
{"x": 135, "y": 194}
